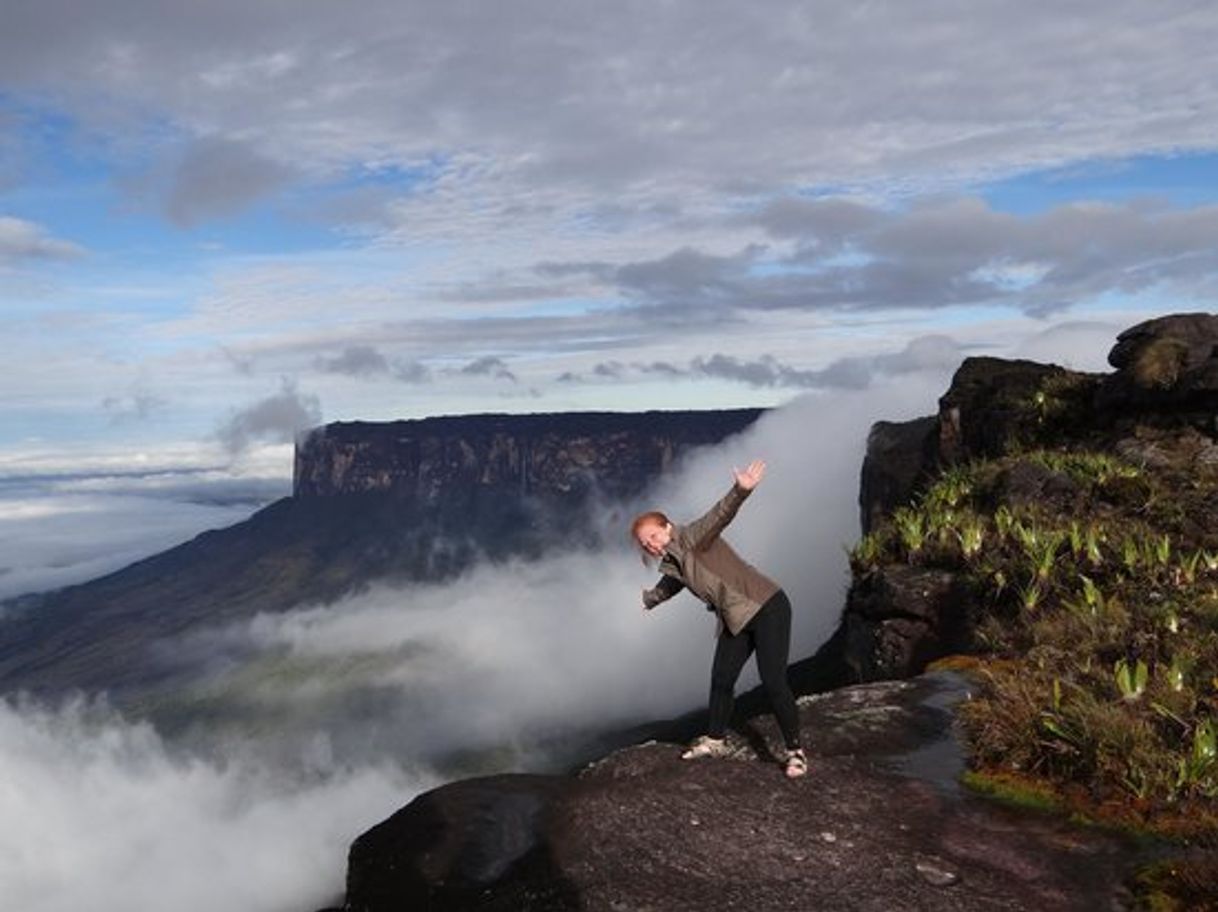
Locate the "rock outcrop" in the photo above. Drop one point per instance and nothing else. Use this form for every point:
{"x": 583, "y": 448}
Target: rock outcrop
{"x": 902, "y": 618}
{"x": 1171, "y": 360}
{"x": 899, "y": 456}
{"x": 1158, "y": 409}
{"x": 877, "y": 825}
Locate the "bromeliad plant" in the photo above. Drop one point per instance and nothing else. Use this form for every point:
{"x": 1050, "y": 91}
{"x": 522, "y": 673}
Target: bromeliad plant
{"x": 1130, "y": 679}
{"x": 911, "y": 528}
{"x": 1099, "y": 623}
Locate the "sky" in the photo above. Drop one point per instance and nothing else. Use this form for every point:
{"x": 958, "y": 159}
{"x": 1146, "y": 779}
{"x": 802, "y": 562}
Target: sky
{"x": 223, "y": 223}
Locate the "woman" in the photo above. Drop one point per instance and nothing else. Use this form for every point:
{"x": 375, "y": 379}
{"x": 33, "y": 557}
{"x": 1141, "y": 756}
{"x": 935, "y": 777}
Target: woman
{"x": 754, "y": 613}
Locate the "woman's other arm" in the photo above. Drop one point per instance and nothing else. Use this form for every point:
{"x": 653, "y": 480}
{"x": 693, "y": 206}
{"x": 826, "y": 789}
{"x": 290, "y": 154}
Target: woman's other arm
{"x": 665, "y": 589}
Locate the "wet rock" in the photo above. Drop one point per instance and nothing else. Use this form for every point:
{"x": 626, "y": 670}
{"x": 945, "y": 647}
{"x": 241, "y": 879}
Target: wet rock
{"x": 452, "y": 846}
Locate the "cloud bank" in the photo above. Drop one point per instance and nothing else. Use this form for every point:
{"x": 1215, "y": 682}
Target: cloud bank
{"x": 101, "y": 814}
{"x": 845, "y": 94}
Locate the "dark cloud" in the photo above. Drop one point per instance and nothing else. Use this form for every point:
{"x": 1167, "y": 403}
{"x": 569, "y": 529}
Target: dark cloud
{"x": 686, "y": 275}
{"x": 355, "y": 361}
{"x": 831, "y": 221}
{"x": 925, "y": 353}
{"x": 845, "y": 255}
{"x": 367, "y": 362}
{"x": 275, "y": 419}
{"x": 412, "y": 372}
{"x": 211, "y": 177}
{"x": 488, "y": 366}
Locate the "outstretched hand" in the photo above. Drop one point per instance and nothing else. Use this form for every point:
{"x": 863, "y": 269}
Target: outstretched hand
{"x": 749, "y": 477}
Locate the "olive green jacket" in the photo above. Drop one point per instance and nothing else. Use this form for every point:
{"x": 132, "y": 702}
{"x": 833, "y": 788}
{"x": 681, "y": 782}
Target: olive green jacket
{"x": 698, "y": 558}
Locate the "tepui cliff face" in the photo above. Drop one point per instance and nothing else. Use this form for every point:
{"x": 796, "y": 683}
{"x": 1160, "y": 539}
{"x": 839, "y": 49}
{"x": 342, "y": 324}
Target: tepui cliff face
{"x": 555, "y": 457}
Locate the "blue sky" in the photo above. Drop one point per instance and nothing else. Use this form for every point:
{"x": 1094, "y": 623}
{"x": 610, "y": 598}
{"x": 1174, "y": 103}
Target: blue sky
{"x": 304, "y": 213}
{"x": 1183, "y": 179}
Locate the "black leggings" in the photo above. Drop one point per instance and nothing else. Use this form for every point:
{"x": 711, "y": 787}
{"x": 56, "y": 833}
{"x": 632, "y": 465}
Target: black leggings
{"x": 769, "y": 633}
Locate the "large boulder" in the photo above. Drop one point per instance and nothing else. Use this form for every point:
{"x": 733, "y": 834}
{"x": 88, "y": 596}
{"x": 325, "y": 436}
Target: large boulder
{"x": 1169, "y": 364}
{"x": 457, "y": 845}
{"x": 994, "y": 404}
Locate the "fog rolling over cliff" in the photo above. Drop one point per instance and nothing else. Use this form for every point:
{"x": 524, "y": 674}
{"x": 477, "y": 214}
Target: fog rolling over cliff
{"x": 286, "y": 733}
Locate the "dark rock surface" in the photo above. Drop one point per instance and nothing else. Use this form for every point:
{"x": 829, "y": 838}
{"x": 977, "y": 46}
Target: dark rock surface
{"x": 553, "y": 456}
{"x": 1029, "y": 483}
{"x": 899, "y": 456}
{"x": 878, "y": 824}
{"x": 901, "y": 618}
{"x": 990, "y": 406}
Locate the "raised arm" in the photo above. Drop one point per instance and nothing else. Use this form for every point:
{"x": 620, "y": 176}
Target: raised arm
{"x": 703, "y": 529}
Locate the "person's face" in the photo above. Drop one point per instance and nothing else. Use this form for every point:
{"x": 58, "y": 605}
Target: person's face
{"x": 653, "y": 537}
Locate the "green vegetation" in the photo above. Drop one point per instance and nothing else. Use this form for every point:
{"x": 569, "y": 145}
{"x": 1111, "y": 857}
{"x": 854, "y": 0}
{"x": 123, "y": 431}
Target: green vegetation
{"x": 1096, "y": 626}
{"x": 1179, "y": 885}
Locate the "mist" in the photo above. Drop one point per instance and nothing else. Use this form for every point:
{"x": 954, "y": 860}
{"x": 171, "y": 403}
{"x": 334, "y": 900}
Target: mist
{"x": 50, "y": 539}
{"x": 99, "y": 815}
{"x": 294, "y": 732}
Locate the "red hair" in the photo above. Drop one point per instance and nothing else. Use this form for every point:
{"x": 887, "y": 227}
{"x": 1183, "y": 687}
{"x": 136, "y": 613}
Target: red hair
{"x": 651, "y": 517}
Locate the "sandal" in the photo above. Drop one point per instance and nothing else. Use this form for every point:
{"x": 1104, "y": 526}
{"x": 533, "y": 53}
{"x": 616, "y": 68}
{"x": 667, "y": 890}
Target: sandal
{"x": 796, "y": 763}
{"x": 706, "y": 746}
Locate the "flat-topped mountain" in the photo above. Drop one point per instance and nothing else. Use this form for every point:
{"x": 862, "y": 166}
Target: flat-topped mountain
{"x": 555, "y": 457}
{"x": 403, "y": 500}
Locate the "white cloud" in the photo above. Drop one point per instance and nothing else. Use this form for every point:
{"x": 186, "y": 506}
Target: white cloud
{"x": 100, "y": 814}
{"x": 22, "y": 241}
{"x": 524, "y": 654}
{"x": 495, "y": 116}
